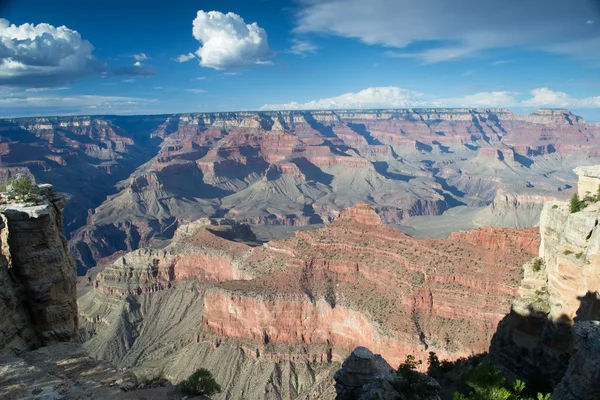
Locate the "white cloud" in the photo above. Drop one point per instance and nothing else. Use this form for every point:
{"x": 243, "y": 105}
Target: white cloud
{"x": 228, "y": 42}
{"x": 43, "y": 55}
{"x": 72, "y": 104}
{"x": 544, "y": 97}
{"x": 500, "y": 62}
{"x": 302, "y": 48}
{"x": 374, "y": 97}
{"x": 451, "y": 30}
{"x": 589, "y": 22}
{"x": 200, "y": 78}
{"x": 480, "y": 100}
{"x": 184, "y": 57}
{"x": 196, "y": 90}
{"x": 396, "y": 97}
{"x": 141, "y": 57}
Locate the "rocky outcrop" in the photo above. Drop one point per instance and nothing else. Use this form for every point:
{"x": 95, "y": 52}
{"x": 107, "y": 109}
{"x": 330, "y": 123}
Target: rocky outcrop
{"x": 581, "y": 379}
{"x": 366, "y": 376}
{"x": 515, "y": 208}
{"x": 589, "y": 180}
{"x": 37, "y": 275}
{"x": 559, "y": 288}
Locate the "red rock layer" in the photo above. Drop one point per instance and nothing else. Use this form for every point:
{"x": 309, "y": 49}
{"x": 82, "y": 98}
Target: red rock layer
{"x": 354, "y": 282}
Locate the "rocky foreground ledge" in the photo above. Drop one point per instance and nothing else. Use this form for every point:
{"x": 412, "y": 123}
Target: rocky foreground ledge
{"x": 37, "y": 276}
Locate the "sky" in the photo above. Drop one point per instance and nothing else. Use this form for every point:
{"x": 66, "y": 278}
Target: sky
{"x": 67, "y": 57}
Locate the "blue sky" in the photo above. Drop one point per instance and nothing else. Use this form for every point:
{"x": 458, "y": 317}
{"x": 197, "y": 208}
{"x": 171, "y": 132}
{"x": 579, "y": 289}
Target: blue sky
{"x": 123, "y": 57}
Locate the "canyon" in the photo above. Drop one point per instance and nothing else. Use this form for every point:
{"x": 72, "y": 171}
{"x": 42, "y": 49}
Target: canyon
{"x": 130, "y": 181}
{"x": 289, "y": 318}
{"x": 276, "y": 320}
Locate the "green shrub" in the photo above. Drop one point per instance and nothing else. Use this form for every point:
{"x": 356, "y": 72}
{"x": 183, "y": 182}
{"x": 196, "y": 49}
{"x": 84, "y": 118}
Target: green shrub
{"x": 579, "y": 256}
{"x": 537, "y": 264}
{"x": 19, "y": 186}
{"x": 554, "y": 207}
{"x": 575, "y": 204}
{"x": 487, "y": 383}
{"x": 567, "y": 252}
{"x": 201, "y": 382}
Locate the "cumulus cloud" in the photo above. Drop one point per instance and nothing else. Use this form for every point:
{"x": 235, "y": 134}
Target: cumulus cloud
{"x": 396, "y": 97}
{"x": 302, "y": 48}
{"x": 544, "y": 97}
{"x": 184, "y": 57}
{"x": 197, "y": 91}
{"x": 452, "y": 30}
{"x": 43, "y": 55}
{"x": 374, "y": 97}
{"x": 228, "y": 42}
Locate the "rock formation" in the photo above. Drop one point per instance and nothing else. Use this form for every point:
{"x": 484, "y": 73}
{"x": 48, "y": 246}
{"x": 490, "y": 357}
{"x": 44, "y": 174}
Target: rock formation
{"x": 38, "y": 312}
{"x": 366, "y": 376}
{"x": 581, "y": 378}
{"x": 131, "y": 181}
{"x": 296, "y": 308}
{"x": 37, "y": 275}
{"x": 536, "y": 340}
{"x": 589, "y": 180}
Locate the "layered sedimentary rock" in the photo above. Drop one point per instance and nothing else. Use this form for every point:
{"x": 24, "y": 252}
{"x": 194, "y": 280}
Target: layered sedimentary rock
{"x": 289, "y": 168}
{"x": 303, "y": 304}
{"x": 589, "y": 180}
{"x": 560, "y": 288}
{"x": 516, "y": 208}
{"x": 83, "y": 157}
{"x": 37, "y": 275}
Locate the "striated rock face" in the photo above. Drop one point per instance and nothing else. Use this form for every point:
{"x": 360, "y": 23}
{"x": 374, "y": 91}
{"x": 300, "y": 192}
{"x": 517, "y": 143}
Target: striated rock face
{"x": 37, "y": 276}
{"x": 301, "y": 304}
{"x": 83, "y": 157}
{"x": 131, "y": 181}
{"x": 589, "y": 180}
{"x": 515, "y": 208}
{"x": 571, "y": 250}
{"x": 561, "y": 288}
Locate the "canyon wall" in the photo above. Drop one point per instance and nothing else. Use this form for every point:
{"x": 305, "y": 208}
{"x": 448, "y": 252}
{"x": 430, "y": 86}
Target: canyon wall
{"x": 536, "y": 340}
{"x": 132, "y": 180}
{"x": 37, "y": 275}
{"x": 294, "y": 309}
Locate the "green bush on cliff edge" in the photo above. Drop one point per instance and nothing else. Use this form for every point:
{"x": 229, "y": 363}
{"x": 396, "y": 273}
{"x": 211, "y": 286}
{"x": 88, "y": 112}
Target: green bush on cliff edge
{"x": 201, "y": 382}
{"x": 19, "y": 187}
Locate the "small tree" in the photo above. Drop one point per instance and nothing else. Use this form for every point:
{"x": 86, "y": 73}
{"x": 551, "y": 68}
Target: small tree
{"x": 201, "y": 382}
{"x": 19, "y": 186}
{"x": 575, "y": 204}
{"x": 487, "y": 383}
{"x": 434, "y": 364}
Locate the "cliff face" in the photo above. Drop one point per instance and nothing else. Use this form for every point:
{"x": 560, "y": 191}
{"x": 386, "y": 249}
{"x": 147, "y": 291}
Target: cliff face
{"x": 132, "y": 180}
{"x": 301, "y": 304}
{"x": 37, "y": 276}
{"x": 559, "y": 290}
